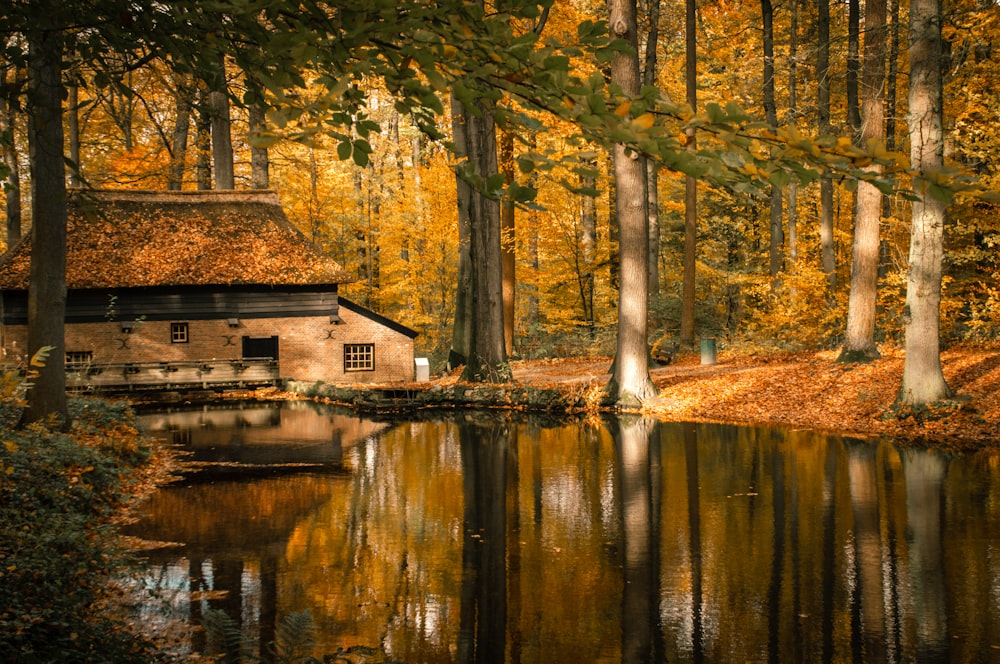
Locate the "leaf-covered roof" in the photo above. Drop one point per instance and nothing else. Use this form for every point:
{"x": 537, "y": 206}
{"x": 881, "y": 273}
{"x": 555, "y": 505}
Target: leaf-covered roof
{"x": 121, "y": 239}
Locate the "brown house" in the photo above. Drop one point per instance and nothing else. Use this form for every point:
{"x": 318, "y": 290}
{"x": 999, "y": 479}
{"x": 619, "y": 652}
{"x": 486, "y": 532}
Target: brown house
{"x": 209, "y": 287}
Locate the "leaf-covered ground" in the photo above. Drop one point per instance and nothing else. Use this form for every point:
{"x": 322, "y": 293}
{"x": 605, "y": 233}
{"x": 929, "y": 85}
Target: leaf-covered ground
{"x": 808, "y": 390}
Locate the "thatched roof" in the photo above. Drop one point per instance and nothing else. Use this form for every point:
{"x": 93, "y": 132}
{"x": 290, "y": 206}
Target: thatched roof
{"x": 122, "y": 239}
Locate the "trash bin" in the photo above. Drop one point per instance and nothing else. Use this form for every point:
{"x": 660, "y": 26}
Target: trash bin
{"x": 423, "y": 369}
{"x": 708, "y": 351}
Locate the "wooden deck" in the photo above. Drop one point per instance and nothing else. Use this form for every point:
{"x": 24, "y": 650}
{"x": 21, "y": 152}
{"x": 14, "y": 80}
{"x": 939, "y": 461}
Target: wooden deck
{"x": 205, "y": 374}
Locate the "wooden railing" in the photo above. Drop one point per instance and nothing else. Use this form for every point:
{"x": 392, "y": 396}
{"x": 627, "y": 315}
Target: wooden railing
{"x": 244, "y": 372}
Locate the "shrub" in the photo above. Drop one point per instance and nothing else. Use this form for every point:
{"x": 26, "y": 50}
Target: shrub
{"x": 57, "y": 494}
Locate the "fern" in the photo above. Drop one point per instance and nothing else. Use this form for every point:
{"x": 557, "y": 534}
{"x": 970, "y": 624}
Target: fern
{"x": 225, "y": 637}
{"x": 294, "y": 639}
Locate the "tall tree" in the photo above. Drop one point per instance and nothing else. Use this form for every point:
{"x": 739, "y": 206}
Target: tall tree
{"x": 461, "y": 342}
{"x": 688, "y": 285}
{"x": 73, "y": 127}
{"x": 777, "y": 239}
{"x": 8, "y": 144}
{"x": 827, "y": 241}
{"x": 487, "y": 359}
{"x": 793, "y": 112}
{"x": 853, "y": 67}
{"x": 859, "y": 345}
{"x": 179, "y": 138}
{"x": 219, "y": 114}
{"x": 630, "y": 383}
{"x": 652, "y": 168}
{"x": 923, "y": 380}
{"x": 508, "y": 239}
{"x": 47, "y": 289}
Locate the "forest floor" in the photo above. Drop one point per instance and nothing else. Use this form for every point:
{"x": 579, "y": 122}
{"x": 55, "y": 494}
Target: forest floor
{"x": 807, "y": 390}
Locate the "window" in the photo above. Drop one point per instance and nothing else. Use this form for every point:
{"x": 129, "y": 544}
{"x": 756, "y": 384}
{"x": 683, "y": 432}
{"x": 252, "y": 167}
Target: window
{"x": 359, "y": 357}
{"x": 78, "y": 358}
{"x": 178, "y": 333}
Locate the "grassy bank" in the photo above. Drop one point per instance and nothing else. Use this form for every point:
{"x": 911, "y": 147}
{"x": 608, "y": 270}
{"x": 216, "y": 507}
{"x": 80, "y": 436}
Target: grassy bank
{"x": 59, "y": 552}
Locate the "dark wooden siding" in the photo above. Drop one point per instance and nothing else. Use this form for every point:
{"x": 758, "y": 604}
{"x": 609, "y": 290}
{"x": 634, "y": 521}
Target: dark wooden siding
{"x": 195, "y": 303}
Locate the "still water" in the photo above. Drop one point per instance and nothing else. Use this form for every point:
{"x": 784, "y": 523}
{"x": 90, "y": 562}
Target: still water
{"x": 478, "y": 538}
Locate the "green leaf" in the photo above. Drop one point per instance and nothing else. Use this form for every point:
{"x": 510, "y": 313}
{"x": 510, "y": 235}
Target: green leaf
{"x": 344, "y": 150}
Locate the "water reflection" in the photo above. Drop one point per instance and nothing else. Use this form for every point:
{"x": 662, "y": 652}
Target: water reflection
{"x": 485, "y": 539}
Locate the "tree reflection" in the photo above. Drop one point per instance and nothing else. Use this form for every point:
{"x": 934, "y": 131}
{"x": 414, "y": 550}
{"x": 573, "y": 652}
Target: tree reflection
{"x": 485, "y": 443}
{"x": 636, "y": 541}
{"x": 639, "y": 506}
{"x": 924, "y": 472}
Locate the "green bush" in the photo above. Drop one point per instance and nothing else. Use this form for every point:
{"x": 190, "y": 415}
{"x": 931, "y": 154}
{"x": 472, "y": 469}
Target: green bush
{"x": 57, "y": 494}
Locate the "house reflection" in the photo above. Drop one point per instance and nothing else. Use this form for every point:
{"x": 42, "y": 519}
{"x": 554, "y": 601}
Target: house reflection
{"x": 272, "y": 435}
{"x": 216, "y": 537}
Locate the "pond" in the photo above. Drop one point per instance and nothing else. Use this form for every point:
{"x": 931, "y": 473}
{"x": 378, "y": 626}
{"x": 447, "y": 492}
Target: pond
{"x": 482, "y": 538}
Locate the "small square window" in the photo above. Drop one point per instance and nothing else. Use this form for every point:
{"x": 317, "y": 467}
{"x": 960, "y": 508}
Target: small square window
{"x": 178, "y": 333}
{"x": 359, "y": 357}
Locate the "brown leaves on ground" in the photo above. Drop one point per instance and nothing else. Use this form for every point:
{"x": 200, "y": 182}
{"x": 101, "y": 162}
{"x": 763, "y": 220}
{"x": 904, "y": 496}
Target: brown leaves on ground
{"x": 808, "y": 390}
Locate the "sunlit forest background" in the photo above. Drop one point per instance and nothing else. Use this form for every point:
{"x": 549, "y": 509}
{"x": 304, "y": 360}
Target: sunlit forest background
{"x": 393, "y": 223}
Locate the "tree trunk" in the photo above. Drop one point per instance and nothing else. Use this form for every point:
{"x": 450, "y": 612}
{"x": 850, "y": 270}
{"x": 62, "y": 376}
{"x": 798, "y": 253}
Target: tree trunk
{"x": 923, "y": 380}
{"x": 588, "y": 253}
{"x": 508, "y": 242}
{"x": 179, "y": 140}
{"x": 827, "y": 241}
{"x": 73, "y": 126}
{"x": 47, "y": 290}
{"x": 12, "y": 183}
{"x": 893, "y": 75}
{"x": 652, "y": 168}
{"x": 860, "y": 343}
{"x": 630, "y": 383}
{"x": 853, "y": 66}
{"x": 793, "y": 112}
{"x": 203, "y": 141}
{"x": 777, "y": 236}
{"x": 222, "y": 141}
{"x": 487, "y": 360}
{"x": 688, "y": 282}
{"x": 259, "y": 162}
{"x": 461, "y": 341}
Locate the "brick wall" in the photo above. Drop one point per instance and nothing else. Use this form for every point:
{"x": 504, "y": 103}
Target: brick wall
{"x": 309, "y": 348}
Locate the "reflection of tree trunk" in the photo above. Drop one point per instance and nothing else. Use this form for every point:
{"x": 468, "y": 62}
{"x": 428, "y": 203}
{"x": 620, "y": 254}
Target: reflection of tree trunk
{"x": 268, "y": 619}
{"x": 694, "y": 542}
{"x": 777, "y": 553}
{"x": 196, "y": 585}
{"x": 829, "y": 569}
{"x": 227, "y": 576}
{"x": 514, "y": 549}
{"x": 867, "y": 607}
{"x": 924, "y": 472}
{"x": 483, "y": 612}
{"x": 639, "y": 611}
